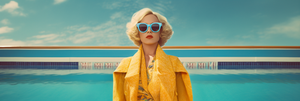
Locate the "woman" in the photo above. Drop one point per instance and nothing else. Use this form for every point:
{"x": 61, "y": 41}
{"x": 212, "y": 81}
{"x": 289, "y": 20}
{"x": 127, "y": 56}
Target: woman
{"x": 151, "y": 75}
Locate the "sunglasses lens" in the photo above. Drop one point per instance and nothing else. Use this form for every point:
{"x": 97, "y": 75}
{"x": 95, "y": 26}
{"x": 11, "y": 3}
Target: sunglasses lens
{"x": 143, "y": 27}
{"x": 155, "y": 27}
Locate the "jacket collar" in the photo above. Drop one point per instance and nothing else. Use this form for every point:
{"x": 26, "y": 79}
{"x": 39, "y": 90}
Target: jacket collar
{"x": 132, "y": 61}
{"x": 163, "y": 74}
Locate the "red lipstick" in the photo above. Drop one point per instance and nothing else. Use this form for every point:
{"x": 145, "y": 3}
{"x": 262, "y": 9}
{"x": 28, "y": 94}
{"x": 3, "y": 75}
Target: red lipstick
{"x": 149, "y": 37}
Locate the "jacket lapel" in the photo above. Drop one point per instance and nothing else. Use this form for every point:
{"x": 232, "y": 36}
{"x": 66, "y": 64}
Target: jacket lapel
{"x": 132, "y": 76}
{"x": 163, "y": 82}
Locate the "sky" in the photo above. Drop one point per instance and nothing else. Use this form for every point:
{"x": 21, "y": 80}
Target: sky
{"x": 194, "y": 22}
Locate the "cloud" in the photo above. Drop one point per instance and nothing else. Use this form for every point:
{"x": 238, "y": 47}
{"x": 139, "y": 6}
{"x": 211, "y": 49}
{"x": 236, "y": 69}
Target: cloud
{"x": 105, "y": 25}
{"x": 48, "y": 38}
{"x": 162, "y": 6}
{"x": 12, "y": 8}
{"x": 289, "y": 28}
{"x": 285, "y": 33}
{"x": 58, "y": 1}
{"x": 113, "y": 5}
{"x": 126, "y": 5}
{"x": 172, "y": 19}
{"x": 79, "y": 28}
{"x": 5, "y": 21}
{"x": 82, "y": 37}
{"x": 116, "y": 15}
{"x": 5, "y": 30}
{"x": 37, "y": 40}
{"x": 42, "y": 31}
{"x": 109, "y": 33}
{"x": 11, "y": 42}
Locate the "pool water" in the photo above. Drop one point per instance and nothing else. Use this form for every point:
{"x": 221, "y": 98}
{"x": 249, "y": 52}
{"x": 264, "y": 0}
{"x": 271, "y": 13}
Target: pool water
{"x": 98, "y": 87}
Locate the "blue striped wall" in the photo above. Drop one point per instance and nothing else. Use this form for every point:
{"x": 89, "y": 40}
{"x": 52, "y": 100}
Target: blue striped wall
{"x": 292, "y": 54}
{"x": 114, "y": 65}
{"x": 128, "y": 53}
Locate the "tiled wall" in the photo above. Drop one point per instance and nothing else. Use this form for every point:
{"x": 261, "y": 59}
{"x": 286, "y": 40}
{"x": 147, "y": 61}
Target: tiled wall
{"x": 212, "y": 65}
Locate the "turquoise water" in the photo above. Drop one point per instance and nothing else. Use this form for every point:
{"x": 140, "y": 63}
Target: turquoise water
{"x": 98, "y": 87}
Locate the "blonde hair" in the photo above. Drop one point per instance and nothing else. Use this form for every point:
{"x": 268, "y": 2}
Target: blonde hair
{"x": 133, "y": 33}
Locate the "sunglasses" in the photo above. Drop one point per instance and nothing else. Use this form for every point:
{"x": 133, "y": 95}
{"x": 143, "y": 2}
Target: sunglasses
{"x": 143, "y": 27}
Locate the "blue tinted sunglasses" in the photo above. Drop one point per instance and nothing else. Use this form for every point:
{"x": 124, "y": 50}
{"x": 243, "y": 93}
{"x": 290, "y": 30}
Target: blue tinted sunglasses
{"x": 143, "y": 27}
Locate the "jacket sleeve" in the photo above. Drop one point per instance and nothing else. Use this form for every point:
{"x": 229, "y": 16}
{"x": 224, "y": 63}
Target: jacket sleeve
{"x": 183, "y": 82}
{"x": 184, "y": 88}
{"x": 118, "y": 87}
{"x": 118, "y": 80}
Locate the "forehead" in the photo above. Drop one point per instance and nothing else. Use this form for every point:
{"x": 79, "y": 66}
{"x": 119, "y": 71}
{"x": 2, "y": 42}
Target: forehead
{"x": 150, "y": 18}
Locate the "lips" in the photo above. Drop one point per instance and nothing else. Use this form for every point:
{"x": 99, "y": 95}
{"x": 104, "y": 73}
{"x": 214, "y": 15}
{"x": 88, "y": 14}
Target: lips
{"x": 149, "y": 37}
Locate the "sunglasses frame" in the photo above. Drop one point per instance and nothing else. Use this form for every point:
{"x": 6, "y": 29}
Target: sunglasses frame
{"x": 138, "y": 24}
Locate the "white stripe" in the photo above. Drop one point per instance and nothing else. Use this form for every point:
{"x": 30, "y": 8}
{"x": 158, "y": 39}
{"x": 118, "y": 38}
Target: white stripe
{"x": 240, "y": 59}
{"x": 118, "y": 59}
{"x": 51, "y": 71}
{"x": 235, "y": 49}
{"x": 69, "y": 49}
{"x": 34, "y": 59}
{"x": 176, "y": 49}
{"x": 110, "y": 71}
{"x": 59, "y": 59}
{"x": 108, "y": 59}
{"x": 243, "y": 71}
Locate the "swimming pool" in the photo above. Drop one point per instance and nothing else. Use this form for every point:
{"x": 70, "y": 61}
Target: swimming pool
{"x": 97, "y": 85}
{"x": 229, "y": 73}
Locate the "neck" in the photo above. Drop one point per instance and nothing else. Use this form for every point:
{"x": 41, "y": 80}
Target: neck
{"x": 149, "y": 49}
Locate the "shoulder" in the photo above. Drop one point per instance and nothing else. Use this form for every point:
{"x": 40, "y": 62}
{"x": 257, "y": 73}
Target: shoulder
{"x": 177, "y": 65}
{"x": 172, "y": 56}
{"x": 174, "y": 59}
{"x": 122, "y": 67}
{"x": 128, "y": 59}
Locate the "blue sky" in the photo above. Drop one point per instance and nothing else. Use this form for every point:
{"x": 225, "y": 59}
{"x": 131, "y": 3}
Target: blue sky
{"x": 194, "y": 22}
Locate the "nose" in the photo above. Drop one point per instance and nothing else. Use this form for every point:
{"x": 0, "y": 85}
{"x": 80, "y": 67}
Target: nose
{"x": 149, "y": 30}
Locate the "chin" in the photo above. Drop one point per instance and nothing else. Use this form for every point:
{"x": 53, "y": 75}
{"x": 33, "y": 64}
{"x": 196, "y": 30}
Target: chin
{"x": 150, "y": 43}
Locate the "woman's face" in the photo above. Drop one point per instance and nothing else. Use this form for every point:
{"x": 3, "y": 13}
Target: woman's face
{"x": 146, "y": 37}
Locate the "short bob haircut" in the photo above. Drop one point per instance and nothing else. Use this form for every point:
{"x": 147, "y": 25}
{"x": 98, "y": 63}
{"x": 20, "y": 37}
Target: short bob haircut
{"x": 133, "y": 33}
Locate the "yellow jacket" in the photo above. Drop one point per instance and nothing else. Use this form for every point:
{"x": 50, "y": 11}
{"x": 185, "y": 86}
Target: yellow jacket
{"x": 170, "y": 81}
